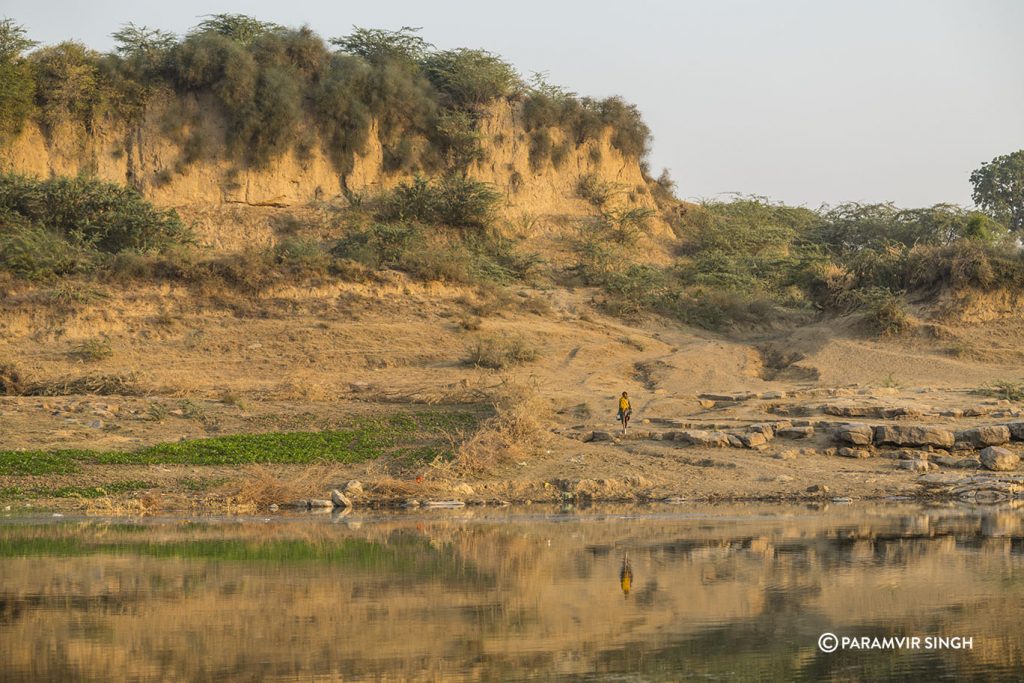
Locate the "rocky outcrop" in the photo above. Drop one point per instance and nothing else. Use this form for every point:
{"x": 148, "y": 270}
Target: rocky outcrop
{"x": 905, "y": 435}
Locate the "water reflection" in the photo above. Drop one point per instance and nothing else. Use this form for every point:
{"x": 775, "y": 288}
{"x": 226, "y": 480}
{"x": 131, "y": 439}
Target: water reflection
{"x": 719, "y": 593}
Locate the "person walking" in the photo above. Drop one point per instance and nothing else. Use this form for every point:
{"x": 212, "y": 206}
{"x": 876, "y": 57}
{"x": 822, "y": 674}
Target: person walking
{"x": 625, "y": 411}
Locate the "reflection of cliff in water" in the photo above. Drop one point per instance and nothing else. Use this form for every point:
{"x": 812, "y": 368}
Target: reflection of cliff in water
{"x": 733, "y": 592}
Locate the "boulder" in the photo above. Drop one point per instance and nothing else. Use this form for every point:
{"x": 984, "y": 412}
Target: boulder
{"x": 340, "y": 500}
{"x": 321, "y": 503}
{"x": 788, "y": 454}
{"x": 999, "y": 459}
{"x": 795, "y": 433}
{"x": 853, "y": 453}
{"x": 854, "y": 433}
{"x": 700, "y": 437}
{"x": 908, "y": 435}
{"x": 917, "y": 465}
{"x": 735, "y": 441}
{"x": 354, "y": 488}
{"x": 965, "y": 463}
{"x": 979, "y": 437}
{"x": 817, "y": 488}
{"x": 762, "y": 428}
{"x": 753, "y": 439}
{"x": 1016, "y": 430}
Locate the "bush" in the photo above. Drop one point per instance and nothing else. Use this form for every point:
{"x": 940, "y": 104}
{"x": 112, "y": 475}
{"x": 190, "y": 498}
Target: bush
{"x": 499, "y": 353}
{"x": 67, "y": 83}
{"x": 35, "y": 253}
{"x": 453, "y": 201}
{"x": 91, "y": 213}
{"x": 470, "y": 78}
{"x": 17, "y": 84}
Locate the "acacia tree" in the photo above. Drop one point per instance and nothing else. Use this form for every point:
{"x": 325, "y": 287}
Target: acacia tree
{"x": 999, "y": 189}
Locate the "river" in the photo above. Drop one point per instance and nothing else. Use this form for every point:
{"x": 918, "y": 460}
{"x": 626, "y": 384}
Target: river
{"x": 609, "y": 593}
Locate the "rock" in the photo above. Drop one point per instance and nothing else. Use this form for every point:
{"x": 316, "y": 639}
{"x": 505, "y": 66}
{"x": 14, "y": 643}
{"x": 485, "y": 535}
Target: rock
{"x": 705, "y": 404}
{"x": 953, "y": 412}
{"x": 911, "y": 454}
{"x": 771, "y": 395}
{"x": 322, "y": 503}
{"x": 700, "y": 437}
{"x": 340, "y": 500}
{"x": 735, "y": 398}
{"x": 830, "y": 452}
{"x": 907, "y": 435}
{"x": 296, "y": 504}
{"x": 354, "y": 488}
{"x": 946, "y": 461}
{"x": 977, "y": 411}
{"x": 753, "y": 440}
{"x": 788, "y": 454}
{"x": 853, "y": 453}
{"x": 444, "y": 504}
{"x": 842, "y": 500}
{"x": 411, "y": 503}
{"x": 965, "y": 463}
{"x": 762, "y": 428}
{"x": 1016, "y": 430}
{"x": 916, "y": 465}
{"x": 795, "y": 433}
{"x": 999, "y": 459}
{"x": 817, "y": 488}
{"x": 273, "y": 507}
{"x": 854, "y": 433}
{"x": 599, "y": 436}
{"x": 979, "y": 437}
{"x": 94, "y": 424}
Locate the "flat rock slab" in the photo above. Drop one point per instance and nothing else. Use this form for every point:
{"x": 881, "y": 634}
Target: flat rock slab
{"x": 795, "y": 433}
{"x": 736, "y": 397}
{"x": 700, "y": 437}
{"x": 908, "y": 435}
{"x": 855, "y": 434}
{"x": 979, "y": 437}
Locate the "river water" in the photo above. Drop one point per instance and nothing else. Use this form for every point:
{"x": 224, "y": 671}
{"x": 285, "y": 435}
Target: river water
{"x": 623, "y": 594}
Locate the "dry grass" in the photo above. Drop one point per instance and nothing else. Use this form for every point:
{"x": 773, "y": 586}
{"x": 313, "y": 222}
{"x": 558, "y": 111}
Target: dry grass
{"x": 103, "y": 385}
{"x": 259, "y": 486}
{"x": 514, "y": 432}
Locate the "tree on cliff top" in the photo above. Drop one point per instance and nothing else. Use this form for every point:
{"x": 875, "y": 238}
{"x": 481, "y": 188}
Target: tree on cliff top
{"x": 999, "y": 189}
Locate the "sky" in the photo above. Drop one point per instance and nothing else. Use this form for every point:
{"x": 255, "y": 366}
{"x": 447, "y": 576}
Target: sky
{"x": 802, "y": 101}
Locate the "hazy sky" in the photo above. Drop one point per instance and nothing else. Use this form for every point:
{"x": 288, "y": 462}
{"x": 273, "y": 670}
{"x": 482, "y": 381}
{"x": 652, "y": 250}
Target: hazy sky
{"x": 805, "y": 101}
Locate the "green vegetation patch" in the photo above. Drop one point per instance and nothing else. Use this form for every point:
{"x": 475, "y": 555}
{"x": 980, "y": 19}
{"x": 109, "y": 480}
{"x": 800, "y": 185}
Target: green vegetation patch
{"x": 109, "y": 489}
{"x": 422, "y": 435}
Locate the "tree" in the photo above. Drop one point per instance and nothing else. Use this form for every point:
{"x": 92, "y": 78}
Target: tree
{"x": 241, "y": 28}
{"x": 141, "y": 41}
{"x": 17, "y": 87}
{"x": 999, "y": 189}
{"x": 380, "y": 45}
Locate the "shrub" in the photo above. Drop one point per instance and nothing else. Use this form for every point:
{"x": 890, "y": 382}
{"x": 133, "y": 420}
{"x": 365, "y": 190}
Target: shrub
{"x": 17, "y": 84}
{"x": 240, "y": 28}
{"x": 91, "y": 213}
{"x": 499, "y": 353}
{"x": 92, "y": 350}
{"x": 453, "y": 201}
{"x": 884, "y": 311}
{"x": 35, "y": 253}
{"x": 67, "y": 82}
{"x": 470, "y": 78}
{"x": 380, "y": 45}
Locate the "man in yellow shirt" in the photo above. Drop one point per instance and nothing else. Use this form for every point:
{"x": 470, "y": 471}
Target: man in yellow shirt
{"x": 625, "y": 411}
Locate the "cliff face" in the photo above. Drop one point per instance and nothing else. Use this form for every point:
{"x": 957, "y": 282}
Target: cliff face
{"x": 156, "y": 162}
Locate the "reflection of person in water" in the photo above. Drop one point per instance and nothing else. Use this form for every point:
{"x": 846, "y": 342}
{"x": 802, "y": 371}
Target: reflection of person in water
{"x": 626, "y": 576}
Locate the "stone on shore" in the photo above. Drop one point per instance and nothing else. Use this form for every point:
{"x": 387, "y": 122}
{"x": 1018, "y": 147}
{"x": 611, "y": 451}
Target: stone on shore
{"x": 796, "y": 433}
{"x": 855, "y": 434}
{"x": 907, "y": 435}
{"x": 999, "y": 459}
{"x": 340, "y": 500}
{"x": 979, "y": 437}
{"x": 700, "y": 437}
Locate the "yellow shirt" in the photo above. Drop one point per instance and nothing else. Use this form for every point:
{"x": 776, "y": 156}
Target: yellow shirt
{"x": 623, "y": 404}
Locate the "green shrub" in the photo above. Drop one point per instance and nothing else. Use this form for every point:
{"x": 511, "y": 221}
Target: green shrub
{"x": 67, "y": 83}
{"x": 595, "y": 190}
{"x": 91, "y": 213}
{"x": 17, "y": 84}
{"x": 469, "y": 78}
{"x": 453, "y": 201}
{"x": 36, "y": 253}
{"x": 92, "y": 350}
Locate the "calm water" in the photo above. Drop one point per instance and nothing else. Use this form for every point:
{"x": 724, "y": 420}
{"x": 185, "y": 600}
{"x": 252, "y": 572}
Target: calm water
{"x": 740, "y": 593}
